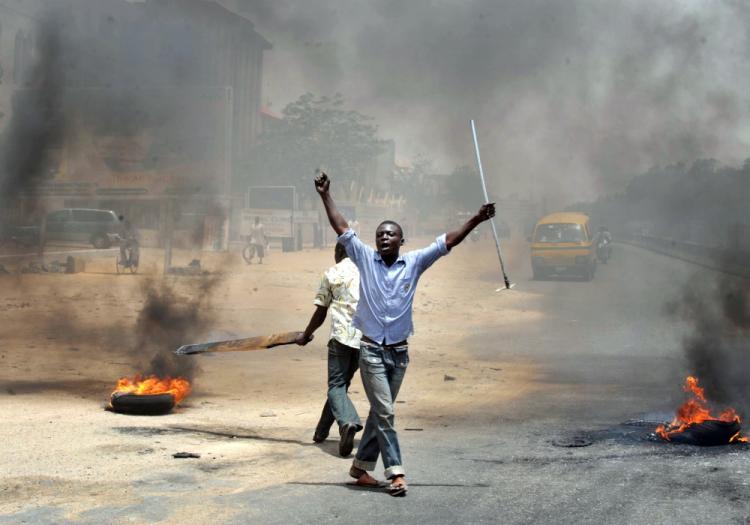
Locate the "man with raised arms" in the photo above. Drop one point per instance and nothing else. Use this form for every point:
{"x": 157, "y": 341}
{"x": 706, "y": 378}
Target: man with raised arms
{"x": 384, "y": 315}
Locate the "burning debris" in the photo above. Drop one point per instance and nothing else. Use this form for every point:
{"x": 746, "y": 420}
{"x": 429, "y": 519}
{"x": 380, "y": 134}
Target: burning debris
{"x": 149, "y": 396}
{"x": 164, "y": 322}
{"x": 193, "y": 268}
{"x": 695, "y": 425}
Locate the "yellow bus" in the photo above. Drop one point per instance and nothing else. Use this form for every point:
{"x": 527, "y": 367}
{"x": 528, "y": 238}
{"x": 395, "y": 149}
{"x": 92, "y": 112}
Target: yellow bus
{"x": 563, "y": 243}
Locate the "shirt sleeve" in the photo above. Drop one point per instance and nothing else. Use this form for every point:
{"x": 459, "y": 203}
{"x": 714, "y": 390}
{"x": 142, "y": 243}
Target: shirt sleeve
{"x": 355, "y": 249}
{"x": 325, "y": 295}
{"x": 426, "y": 257}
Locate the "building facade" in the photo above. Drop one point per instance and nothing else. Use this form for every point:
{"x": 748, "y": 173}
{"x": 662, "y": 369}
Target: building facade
{"x": 159, "y": 101}
{"x": 18, "y": 22}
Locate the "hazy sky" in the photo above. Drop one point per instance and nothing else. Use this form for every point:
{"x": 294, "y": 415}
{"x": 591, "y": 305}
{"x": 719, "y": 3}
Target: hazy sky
{"x": 571, "y": 96}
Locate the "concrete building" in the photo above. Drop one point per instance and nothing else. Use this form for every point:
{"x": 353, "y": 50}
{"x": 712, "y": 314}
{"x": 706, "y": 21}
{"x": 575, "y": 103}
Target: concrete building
{"x": 17, "y": 33}
{"x": 160, "y": 100}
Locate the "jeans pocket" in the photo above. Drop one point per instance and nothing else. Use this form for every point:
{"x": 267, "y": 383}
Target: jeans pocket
{"x": 372, "y": 360}
{"x": 370, "y": 356}
{"x": 335, "y": 350}
{"x": 402, "y": 360}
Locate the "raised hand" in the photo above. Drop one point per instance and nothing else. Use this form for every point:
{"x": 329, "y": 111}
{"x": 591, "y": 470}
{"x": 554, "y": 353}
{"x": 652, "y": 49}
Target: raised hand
{"x": 322, "y": 183}
{"x": 486, "y": 212}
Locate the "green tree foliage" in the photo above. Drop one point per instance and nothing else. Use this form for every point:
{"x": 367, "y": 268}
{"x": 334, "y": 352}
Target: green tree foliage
{"x": 418, "y": 186}
{"x": 315, "y": 132}
{"x": 702, "y": 202}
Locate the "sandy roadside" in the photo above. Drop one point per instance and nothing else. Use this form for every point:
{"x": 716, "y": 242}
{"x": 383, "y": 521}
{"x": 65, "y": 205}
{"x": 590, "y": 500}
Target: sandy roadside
{"x": 65, "y": 342}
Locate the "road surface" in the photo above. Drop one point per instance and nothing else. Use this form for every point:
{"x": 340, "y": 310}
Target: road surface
{"x": 536, "y": 370}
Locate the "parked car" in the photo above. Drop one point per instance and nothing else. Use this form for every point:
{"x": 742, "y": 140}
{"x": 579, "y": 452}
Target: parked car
{"x": 98, "y": 227}
{"x": 563, "y": 243}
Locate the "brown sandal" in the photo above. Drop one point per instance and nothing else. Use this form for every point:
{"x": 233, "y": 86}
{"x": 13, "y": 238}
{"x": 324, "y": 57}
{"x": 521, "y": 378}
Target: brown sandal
{"x": 363, "y": 478}
{"x": 398, "y": 486}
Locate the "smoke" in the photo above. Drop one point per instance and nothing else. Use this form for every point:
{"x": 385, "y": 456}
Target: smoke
{"x": 121, "y": 88}
{"x": 717, "y": 344}
{"x": 36, "y": 126}
{"x": 572, "y": 98}
{"x": 123, "y": 91}
{"x": 169, "y": 320}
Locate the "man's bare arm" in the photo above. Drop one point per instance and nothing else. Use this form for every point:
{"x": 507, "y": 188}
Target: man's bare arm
{"x": 485, "y": 213}
{"x": 322, "y": 185}
{"x": 315, "y": 322}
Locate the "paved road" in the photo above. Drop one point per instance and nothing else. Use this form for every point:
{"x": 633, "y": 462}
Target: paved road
{"x": 606, "y": 354}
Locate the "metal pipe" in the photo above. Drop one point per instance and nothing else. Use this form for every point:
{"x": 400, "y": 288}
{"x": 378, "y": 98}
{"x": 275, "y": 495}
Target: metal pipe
{"x": 487, "y": 200}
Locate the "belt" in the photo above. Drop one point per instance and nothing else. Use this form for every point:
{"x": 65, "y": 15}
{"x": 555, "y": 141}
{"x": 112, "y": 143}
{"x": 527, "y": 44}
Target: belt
{"x": 368, "y": 340}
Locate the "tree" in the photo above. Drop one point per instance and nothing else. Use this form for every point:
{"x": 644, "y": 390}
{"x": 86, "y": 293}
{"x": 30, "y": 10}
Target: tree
{"x": 417, "y": 185}
{"x": 316, "y": 132}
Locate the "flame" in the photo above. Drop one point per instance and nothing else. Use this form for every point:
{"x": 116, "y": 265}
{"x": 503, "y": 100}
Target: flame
{"x": 179, "y": 387}
{"x": 695, "y": 411}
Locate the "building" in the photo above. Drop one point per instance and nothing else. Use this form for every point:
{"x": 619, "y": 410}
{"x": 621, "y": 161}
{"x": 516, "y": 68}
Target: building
{"x": 159, "y": 101}
{"x": 18, "y": 22}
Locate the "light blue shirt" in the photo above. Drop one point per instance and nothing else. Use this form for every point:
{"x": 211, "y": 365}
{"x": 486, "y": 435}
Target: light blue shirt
{"x": 386, "y": 293}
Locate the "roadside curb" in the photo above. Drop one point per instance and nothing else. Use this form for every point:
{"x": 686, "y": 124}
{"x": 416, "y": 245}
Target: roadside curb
{"x": 702, "y": 261}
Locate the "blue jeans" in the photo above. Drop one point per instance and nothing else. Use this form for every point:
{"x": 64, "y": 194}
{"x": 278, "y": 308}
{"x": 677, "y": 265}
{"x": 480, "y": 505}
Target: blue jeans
{"x": 342, "y": 364}
{"x": 383, "y": 369}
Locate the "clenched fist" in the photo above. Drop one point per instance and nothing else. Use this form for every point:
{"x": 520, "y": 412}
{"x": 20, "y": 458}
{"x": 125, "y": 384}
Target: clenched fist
{"x": 486, "y": 212}
{"x": 302, "y": 340}
{"x": 322, "y": 183}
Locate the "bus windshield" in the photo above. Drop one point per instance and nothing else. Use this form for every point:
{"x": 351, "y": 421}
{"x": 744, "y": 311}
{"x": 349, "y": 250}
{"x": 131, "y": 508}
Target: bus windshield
{"x": 559, "y": 233}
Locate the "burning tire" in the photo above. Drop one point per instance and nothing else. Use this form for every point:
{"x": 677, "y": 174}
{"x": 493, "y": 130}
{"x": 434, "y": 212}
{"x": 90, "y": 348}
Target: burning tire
{"x": 142, "y": 404}
{"x": 709, "y": 433}
{"x": 695, "y": 425}
{"x": 149, "y": 396}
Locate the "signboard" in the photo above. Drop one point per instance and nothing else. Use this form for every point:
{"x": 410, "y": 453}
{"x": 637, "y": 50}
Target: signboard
{"x": 276, "y": 223}
{"x": 274, "y": 206}
{"x": 271, "y": 197}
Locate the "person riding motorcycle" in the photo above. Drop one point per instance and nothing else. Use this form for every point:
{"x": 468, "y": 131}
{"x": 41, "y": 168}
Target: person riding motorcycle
{"x": 604, "y": 244}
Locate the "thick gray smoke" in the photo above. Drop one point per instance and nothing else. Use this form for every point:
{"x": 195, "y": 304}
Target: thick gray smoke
{"x": 37, "y": 124}
{"x": 113, "y": 87}
{"x": 167, "y": 321}
{"x": 110, "y": 83}
{"x": 572, "y": 98}
{"x": 717, "y": 344}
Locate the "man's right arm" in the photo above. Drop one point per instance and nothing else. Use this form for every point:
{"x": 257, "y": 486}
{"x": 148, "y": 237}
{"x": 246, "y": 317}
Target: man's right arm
{"x": 322, "y": 301}
{"x": 322, "y": 186}
{"x": 317, "y": 319}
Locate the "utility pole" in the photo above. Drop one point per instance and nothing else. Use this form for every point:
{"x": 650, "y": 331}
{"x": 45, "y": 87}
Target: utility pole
{"x": 168, "y": 216}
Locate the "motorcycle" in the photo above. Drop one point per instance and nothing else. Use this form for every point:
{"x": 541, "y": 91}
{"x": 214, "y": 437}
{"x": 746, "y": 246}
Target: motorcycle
{"x": 603, "y": 250}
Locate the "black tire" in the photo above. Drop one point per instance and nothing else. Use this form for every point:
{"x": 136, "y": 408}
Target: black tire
{"x": 100, "y": 241}
{"x": 248, "y": 252}
{"x": 143, "y": 405}
{"x": 135, "y": 256}
{"x": 709, "y": 433}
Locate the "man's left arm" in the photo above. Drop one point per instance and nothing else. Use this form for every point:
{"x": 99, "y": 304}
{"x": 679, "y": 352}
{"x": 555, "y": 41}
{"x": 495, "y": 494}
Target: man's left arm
{"x": 485, "y": 213}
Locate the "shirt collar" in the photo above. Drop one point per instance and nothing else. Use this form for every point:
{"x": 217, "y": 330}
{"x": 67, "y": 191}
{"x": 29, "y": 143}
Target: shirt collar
{"x": 379, "y": 258}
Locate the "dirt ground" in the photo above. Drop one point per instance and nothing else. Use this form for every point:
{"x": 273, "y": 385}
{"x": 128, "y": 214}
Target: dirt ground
{"x": 68, "y": 338}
